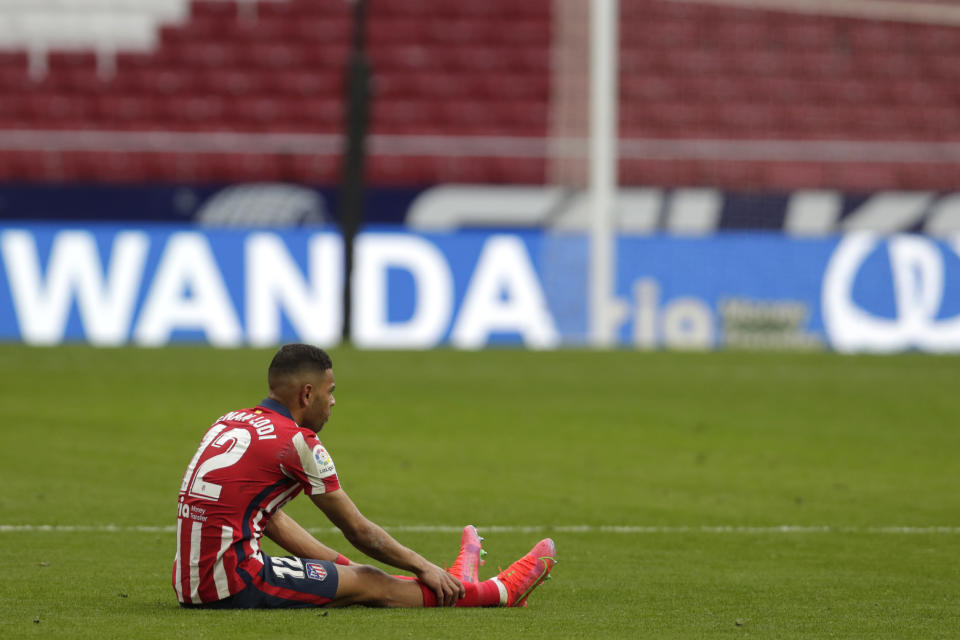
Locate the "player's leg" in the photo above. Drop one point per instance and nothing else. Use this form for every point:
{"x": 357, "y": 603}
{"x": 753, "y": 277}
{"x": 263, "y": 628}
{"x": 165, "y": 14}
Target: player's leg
{"x": 511, "y": 587}
{"x": 519, "y": 580}
{"x": 300, "y": 582}
{"x": 367, "y": 585}
{"x": 467, "y": 565}
{"x": 384, "y": 593}
{"x": 361, "y": 584}
{"x": 289, "y": 582}
{"x": 376, "y": 588}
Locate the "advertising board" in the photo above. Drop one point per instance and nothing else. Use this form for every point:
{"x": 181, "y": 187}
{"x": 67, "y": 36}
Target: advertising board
{"x": 157, "y": 284}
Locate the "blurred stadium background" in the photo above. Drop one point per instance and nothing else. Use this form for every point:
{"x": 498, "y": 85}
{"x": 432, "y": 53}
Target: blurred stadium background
{"x": 807, "y": 119}
{"x": 469, "y": 92}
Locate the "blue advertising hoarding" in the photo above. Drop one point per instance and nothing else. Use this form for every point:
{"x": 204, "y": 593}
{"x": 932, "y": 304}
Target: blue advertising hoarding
{"x": 153, "y": 285}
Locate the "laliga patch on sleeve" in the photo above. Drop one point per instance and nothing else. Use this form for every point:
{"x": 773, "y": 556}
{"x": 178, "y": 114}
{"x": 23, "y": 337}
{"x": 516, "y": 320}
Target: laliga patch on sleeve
{"x": 316, "y": 571}
{"x": 324, "y": 461}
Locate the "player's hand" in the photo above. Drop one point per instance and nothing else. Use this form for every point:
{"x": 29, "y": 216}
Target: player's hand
{"x": 447, "y": 588}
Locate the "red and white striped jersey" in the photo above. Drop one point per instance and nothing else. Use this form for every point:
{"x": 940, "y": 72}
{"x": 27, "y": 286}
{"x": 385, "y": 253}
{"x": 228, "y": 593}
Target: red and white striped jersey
{"x": 250, "y": 463}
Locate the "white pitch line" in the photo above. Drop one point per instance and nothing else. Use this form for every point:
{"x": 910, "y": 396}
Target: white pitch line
{"x": 620, "y": 529}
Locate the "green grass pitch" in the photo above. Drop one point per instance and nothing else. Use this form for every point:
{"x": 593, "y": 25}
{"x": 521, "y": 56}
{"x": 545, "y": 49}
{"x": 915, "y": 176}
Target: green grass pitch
{"x": 857, "y": 455}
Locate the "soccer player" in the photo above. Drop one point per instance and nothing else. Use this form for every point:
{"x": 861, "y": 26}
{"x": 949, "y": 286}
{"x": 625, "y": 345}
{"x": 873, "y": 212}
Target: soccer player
{"x": 251, "y": 462}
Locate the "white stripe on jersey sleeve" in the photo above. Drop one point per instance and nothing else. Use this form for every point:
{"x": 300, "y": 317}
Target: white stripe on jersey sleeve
{"x": 177, "y": 578}
{"x": 195, "y": 561}
{"x": 282, "y": 498}
{"x": 311, "y": 465}
{"x": 219, "y": 573}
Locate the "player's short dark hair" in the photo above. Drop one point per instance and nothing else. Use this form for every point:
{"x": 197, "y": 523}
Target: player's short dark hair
{"x": 291, "y": 359}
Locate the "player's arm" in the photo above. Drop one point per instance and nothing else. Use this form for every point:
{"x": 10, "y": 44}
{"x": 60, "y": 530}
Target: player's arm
{"x": 371, "y": 539}
{"x": 296, "y": 540}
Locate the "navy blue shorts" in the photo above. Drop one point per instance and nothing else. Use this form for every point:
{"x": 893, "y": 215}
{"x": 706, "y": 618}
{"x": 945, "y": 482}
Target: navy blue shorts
{"x": 284, "y": 582}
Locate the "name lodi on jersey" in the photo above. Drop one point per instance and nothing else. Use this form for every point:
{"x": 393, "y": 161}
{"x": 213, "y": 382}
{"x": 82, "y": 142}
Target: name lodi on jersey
{"x": 249, "y": 464}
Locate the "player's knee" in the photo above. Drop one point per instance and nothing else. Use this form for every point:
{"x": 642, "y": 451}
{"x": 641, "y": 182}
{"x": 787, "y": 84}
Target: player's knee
{"x": 376, "y": 587}
{"x": 369, "y": 573}
{"x": 366, "y": 581}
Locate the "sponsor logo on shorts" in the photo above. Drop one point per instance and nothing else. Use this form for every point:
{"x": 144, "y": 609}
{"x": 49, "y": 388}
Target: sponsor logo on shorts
{"x": 316, "y": 571}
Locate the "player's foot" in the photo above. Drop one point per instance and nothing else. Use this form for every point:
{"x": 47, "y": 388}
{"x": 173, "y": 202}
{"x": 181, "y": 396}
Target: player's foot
{"x": 467, "y": 565}
{"x": 522, "y": 577}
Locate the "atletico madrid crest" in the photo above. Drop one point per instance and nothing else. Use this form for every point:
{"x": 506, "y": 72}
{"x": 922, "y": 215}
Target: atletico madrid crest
{"x": 316, "y": 571}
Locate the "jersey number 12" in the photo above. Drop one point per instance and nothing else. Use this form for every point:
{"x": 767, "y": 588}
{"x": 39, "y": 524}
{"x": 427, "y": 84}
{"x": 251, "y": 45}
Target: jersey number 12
{"x": 238, "y": 440}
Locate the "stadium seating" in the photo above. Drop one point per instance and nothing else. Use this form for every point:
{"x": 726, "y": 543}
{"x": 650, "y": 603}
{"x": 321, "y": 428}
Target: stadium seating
{"x": 472, "y": 68}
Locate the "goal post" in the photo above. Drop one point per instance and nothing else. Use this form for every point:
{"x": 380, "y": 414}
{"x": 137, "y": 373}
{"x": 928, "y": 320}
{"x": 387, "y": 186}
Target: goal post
{"x": 602, "y": 159}
{"x": 581, "y": 167}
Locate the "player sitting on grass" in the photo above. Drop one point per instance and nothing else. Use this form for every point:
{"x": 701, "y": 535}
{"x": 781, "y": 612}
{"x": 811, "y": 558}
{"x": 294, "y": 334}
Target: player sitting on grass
{"x": 251, "y": 462}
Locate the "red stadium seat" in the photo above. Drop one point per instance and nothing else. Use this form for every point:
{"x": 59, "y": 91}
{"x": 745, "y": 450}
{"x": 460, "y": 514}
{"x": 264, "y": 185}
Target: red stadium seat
{"x": 209, "y": 10}
{"x": 398, "y": 170}
{"x": 201, "y": 28}
{"x": 30, "y": 166}
{"x": 318, "y": 170}
{"x": 385, "y": 30}
{"x": 122, "y": 111}
{"x": 798, "y": 34}
{"x": 519, "y": 170}
{"x": 322, "y": 113}
{"x": 296, "y": 83}
{"x": 524, "y": 31}
{"x": 301, "y": 9}
{"x": 796, "y": 175}
{"x": 868, "y": 177}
